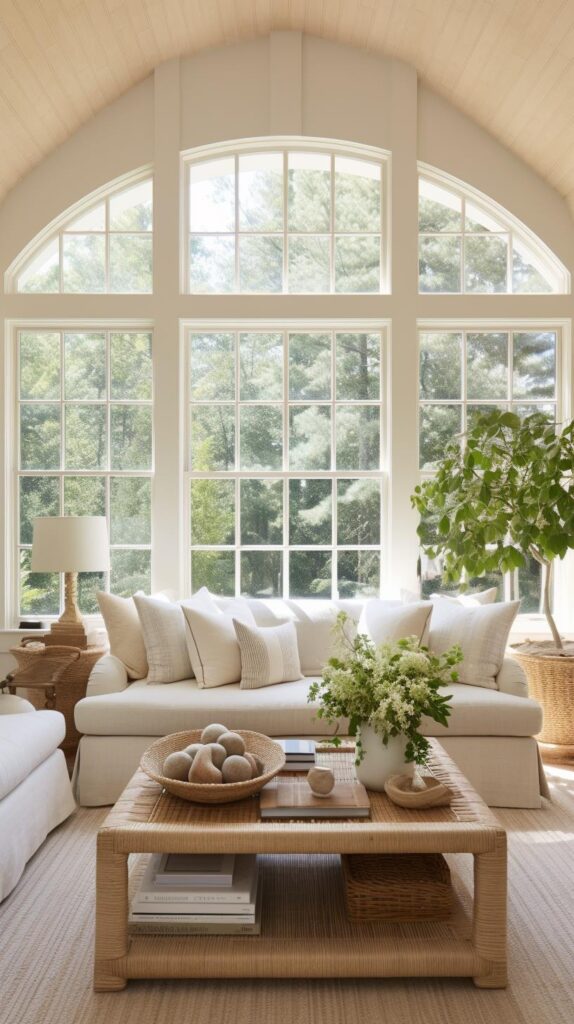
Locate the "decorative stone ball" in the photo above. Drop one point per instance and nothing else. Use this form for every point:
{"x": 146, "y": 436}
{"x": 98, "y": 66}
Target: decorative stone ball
{"x": 232, "y": 742}
{"x": 203, "y": 769}
{"x": 211, "y": 733}
{"x": 218, "y": 753}
{"x": 236, "y": 769}
{"x": 193, "y": 749}
{"x": 321, "y": 781}
{"x": 256, "y": 764}
{"x": 177, "y": 765}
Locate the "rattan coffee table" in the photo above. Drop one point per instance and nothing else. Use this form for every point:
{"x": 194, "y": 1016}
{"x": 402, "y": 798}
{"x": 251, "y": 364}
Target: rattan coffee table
{"x": 305, "y": 931}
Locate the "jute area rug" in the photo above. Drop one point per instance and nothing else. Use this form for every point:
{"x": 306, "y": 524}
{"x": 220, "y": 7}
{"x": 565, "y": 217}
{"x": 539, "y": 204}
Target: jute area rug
{"x": 46, "y": 937}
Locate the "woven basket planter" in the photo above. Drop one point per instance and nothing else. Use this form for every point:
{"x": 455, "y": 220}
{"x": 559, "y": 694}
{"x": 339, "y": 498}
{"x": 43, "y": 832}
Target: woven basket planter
{"x": 551, "y": 683}
{"x": 397, "y": 887}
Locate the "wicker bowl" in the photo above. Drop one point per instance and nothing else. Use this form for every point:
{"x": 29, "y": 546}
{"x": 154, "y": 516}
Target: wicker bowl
{"x": 272, "y": 755}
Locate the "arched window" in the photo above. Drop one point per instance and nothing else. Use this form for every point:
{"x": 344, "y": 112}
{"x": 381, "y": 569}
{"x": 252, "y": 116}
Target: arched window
{"x": 470, "y": 244}
{"x": 299, "y": 220}
{"x": 101, "y": 245}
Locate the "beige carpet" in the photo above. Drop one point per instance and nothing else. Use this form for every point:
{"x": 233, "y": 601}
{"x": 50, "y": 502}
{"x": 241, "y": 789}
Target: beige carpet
{"x": 46, "y": 934}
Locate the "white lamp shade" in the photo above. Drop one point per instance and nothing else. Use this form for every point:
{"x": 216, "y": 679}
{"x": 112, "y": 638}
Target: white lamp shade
{"x": 70, "y": 544}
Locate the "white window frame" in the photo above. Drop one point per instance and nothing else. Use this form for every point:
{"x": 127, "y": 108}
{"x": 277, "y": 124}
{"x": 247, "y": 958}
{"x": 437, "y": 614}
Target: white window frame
{"x": 337, "y": 325}
{"x": 285, "y": 145}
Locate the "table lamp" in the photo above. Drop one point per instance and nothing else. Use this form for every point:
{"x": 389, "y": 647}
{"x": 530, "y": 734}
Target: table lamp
{"x": 70, "y": 544}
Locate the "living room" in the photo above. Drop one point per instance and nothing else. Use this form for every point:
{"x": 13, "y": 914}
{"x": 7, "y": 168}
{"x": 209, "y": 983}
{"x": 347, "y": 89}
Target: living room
{"x": 287, "y": 389}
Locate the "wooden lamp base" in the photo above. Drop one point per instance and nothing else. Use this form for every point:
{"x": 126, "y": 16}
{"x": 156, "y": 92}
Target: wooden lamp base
{"x": 69, "y": 630}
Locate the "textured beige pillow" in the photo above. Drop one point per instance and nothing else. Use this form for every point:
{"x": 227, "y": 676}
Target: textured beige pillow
{"x": 163, "y": 628}
{"x": 482, "y": 633}
{"x": 384, "y": 621}
{"x": 269, "y": 654}
{"x": 470, "y": 600}
{"x": 212, "y": 644}
{"x": 124, "y": 631}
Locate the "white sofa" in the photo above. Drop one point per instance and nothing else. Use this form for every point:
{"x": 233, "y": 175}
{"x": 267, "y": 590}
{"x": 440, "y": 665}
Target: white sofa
{"x": 490, "y": 733}
{"x": 35, "y": 790}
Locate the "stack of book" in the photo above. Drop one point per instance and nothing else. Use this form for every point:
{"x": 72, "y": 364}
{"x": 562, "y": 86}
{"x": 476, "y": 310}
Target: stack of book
{"x": 299, "y": 755}
{"x": 198, "y": 895}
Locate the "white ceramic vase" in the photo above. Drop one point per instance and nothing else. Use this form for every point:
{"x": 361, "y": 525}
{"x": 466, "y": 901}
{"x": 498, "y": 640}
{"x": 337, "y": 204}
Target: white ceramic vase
{"x": 380, "y": 761}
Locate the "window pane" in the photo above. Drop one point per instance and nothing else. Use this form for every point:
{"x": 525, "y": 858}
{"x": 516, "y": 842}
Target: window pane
{"x": 310, "y": 511}
{"x": 439, "y": 209}
{"x": 261, "y": 512}
{"x": 358, "y": 366}
{"x": 530, "y": 587}
{"x": 84, "y": 496}
{"x": 261, "y": 573}
{"x": 261, "y": 437}
{"x": 88, "y": 585}
{"x": 439, "y": 263}
{"x": 487, "y": 366}
{"x": 358, "y": 573}
{"x": 310, "y": 437}
{"x": 261, "y": 192}
{"x": 440, "y": 363}
{"x": 93, "y": 220}
{"x": 211, "y": 264}
{"x": 212, "y": 195}
{"x": 84, "y": 263}
{"x": 358, "y": 437}
{"x": 479, "y": 219}
{"x": 131, "y": 264}
{"x": 212, "y": 366}
{"x": 547, "y": 408}
{"x": 39, "y": 496}
{"x": 486, "y": 263}
{"x": 357, "y": 195}
{"x": 131, "y": 365}
{"x": 474, "y": 412}
{"x": 309, "y": 366}
{"x": 213, "y": 438}
{"x": 42, "y": 275}
{"x": 527, "y": 276}
{"x": 358, "y": 512}
{"x": 309, "y": 263}
{"x": 261, "y": 263}
{"x": 438, "y": 425}
{"x": 39, "y": 364}
{"x": 261, "y": 366}
{"x": 212, "y": 511}
{"x": 214, "y": 570}
{"x": 85, "y": 366}
{"x": 131, "y": 446}
{"x": 534, "y": 368}
{"x": 309, "y": 192}
{"x": 40, "y": 436}
{"x": 357, "y": 263}
{"x": 86, "y": 437}
{"x": 132, "y": 209}
{"x": 130, "y": 510}
{"x": 310, "y": 574}
{"x": 130, "y": 571}
{"x": 39, "y": 591}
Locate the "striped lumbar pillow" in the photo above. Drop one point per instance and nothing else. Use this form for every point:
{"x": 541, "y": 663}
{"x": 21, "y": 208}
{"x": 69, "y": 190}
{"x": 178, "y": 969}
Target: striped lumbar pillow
{"x": 269, "y": 654}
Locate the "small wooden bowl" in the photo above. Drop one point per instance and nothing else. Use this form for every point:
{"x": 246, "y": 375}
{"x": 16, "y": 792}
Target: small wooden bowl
{"x": 399, "y": 788}
{"x": 270, "y": 753}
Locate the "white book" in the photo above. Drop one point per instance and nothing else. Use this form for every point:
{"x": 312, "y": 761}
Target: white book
{"x": 195, "y": 869}
{"x": 198, "y": 918}
{"x": 180, "y": 924}
{"x": 298, "y": 750}
{"x": 239, "y": 899}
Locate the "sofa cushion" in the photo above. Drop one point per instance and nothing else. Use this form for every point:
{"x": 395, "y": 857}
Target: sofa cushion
{"x": 385, "y": 621}
{"x": 269, "y": 654}
{"x": 26, "y": 740}
{"x": 125, "y": 632}
{"x": 481, "y": 632}
{"x": 212, "y": 644}
{"x": 282, "y": 710}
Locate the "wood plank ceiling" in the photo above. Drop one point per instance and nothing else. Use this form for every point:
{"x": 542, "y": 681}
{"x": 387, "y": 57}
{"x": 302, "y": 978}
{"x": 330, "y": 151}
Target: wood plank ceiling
{"x": 509, "y": 64}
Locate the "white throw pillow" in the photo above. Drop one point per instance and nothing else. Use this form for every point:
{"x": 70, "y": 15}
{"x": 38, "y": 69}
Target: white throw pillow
{"x": 481, "y": 632}
{"x": 269, "y": 654}
{"x": 470, "y": 600}
{"x": 384, "y": 621}
{"x": 125, "y": 632}
{"x": 163, "y": 627}
{"x": 212, "y": 645}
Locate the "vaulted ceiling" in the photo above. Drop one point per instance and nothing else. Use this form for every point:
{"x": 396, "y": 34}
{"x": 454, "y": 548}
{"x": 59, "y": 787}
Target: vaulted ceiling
{"x": 509, "y": 64}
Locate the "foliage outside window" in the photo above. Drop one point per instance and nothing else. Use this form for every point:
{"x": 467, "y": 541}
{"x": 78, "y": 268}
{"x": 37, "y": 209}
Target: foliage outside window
{"x": 285, "y": 461}
{"x": 85, "y": 448}
{"x": 105, "y": 248}
{"x": 463, "y": 374}
{"x": 299, "y": 222}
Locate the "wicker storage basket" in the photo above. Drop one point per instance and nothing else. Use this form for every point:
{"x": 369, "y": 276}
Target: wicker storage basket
{"x": 397, "y": 887}
{"x": 551, "y": 683}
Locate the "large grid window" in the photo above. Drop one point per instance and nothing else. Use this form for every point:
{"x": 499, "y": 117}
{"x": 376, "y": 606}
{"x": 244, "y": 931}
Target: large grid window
{"x": 279, "y": 221}
{"x": 464, "y": 373}
{"x": 85, "y": 448}
{"x": 285, "y": 456}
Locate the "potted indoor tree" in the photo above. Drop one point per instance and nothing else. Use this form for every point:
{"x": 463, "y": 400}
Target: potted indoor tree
{"x": 506, "y": 495}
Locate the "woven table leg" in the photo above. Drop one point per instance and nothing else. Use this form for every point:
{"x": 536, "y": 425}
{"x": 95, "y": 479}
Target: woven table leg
{"x": 489, "y": 918}
{"x": 111, "y": 916}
